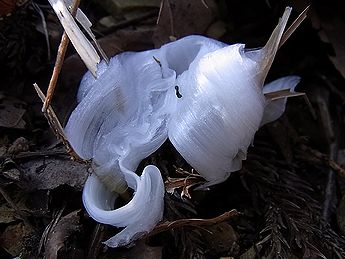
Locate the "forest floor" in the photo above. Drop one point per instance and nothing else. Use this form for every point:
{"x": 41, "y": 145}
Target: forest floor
{"x": 288, "y": 201}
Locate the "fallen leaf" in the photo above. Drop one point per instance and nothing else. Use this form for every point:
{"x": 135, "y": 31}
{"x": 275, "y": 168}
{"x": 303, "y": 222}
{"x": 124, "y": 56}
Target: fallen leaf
{"x": 216, "y": 30}
{"x": 11, "y": 113}
{"x": 12, "y": 239}
{"x": 49, "y": 173}
{"x": 68, "y": 225}
{"x": 12, "y": 174}
{"x": 7, "y": 214}
{"x": 142, "y": 251}
{"x": 21, "y": 144}
{"x": 14, "y": 206}
{"x": 251, "y": 253}
{"x": 181, "y": 18}
{"x": 221, "y": 237}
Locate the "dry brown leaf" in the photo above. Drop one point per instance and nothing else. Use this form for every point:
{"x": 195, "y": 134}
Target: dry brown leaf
{"x": 60, "y": 233}
{"x": 181, "y": 18}
{"x": 11, "y": 113}
{"x": 142, "y": 251}
{"x": 21, "y": 144}
{"x": 9, "y": 214}
{"x": 175, "y": 183}
{"x": 221, "y": 237}
{"x": 49, "y": 173}
{"x": 12, "y": 239}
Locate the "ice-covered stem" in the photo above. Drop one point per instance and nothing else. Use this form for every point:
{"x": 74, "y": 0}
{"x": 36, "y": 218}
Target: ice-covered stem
{"x": 83, "y": 46}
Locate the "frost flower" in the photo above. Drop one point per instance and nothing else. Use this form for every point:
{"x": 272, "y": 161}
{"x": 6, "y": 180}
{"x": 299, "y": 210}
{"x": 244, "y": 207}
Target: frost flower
{"x": 133, "y": 106}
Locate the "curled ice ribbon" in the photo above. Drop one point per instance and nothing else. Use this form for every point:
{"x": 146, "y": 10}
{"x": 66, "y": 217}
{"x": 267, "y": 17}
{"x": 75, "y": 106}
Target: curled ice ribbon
{"x": 207, "y": 97}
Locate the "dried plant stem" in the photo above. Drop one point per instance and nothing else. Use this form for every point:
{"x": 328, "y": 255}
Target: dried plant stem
{"x": 316, "y": 155}
{"x": 57, "y": 128}
{"x": 193, "y": 222}
{"x": 294, "y": 26}
{"x": 95, "y": 246}
{"x": 36, "y": 154}
{"x": 59, "y": 61}
{"x": 167, "y": 3}
{"x": 56, "y": 217}
{"x": 330, "y": 190}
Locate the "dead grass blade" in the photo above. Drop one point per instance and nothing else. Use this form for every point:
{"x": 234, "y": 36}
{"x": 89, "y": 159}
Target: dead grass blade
{"x": 294, "y": 26}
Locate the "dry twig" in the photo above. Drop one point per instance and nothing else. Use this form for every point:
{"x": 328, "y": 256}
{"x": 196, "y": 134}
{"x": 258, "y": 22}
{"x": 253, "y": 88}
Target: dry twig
{"x": 59, "y": 61}
{"x": 318, "y": 156}
{"x": 57, "y": 127}
{"x": 193, "y": 222}
{"x": 294, "y": 26}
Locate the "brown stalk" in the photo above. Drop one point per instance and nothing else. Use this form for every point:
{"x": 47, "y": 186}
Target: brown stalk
{"x": 59, "y": 61}
{"x": 294, "y": 26}
{"x": 57, "y": 128}
{"x": 193, "y": 222}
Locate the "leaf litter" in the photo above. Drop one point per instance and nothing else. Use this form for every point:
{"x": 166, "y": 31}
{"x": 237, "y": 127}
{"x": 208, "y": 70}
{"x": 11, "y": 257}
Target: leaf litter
{"x": 278, "y": 192}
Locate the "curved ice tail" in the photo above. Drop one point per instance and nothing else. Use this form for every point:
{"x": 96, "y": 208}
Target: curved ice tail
{"x": 138, "y": 217}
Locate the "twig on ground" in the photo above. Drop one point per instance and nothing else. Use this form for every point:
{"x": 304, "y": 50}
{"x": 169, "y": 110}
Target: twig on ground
{"x": 330, "y": 190}
{"x": 317, "y": 156}
{"x": 167, "y": 3}
{"x": 193, "y": 222}
{"x": 31, "y": 155}
{"x": 322, "y": 99}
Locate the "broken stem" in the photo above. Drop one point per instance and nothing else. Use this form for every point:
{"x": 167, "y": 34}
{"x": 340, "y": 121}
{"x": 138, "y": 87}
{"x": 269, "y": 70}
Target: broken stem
{"x": 59, "y": 61}
{"x": 193, "y": 222}
{"x": 324, "y": 158}
{"x": 56, "y": 126}
{"x": 294, "y": 26}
